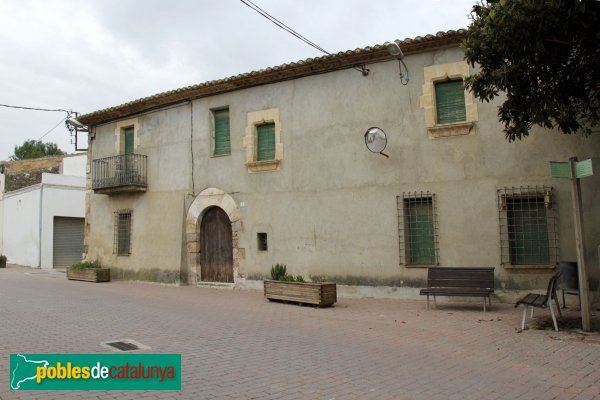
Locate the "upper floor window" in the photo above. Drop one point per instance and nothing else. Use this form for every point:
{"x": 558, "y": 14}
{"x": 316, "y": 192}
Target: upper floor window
{"x": 128, "y": 140}
{"x": 449, "y": 109}
{"x": 222, "y": 140}
{"x": 127, "y": 136}
{"x": 450, "y": 101}
{"x": 262, "y": 141}
{"x": 265, "y": 146}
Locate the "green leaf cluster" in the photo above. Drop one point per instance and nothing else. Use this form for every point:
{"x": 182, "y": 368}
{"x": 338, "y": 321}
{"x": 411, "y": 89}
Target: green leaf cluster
{"x": 35, "y": 149}
{"x": 279, "y": 273}
{"x": 85, "y": 265}
{"x": 544, "y": 56}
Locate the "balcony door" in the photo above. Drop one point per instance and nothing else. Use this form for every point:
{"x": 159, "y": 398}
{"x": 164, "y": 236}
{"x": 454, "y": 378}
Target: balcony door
{"x": 128, "y": 152}
{"x": 216, "y": 247}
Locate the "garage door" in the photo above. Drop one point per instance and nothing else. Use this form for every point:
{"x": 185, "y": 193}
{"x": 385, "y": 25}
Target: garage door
{"x": 68, "y": 241}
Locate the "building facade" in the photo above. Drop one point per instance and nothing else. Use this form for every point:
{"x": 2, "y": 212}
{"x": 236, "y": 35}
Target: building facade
{"x": 42, "y": 203}
{"x": 219, "y": 181}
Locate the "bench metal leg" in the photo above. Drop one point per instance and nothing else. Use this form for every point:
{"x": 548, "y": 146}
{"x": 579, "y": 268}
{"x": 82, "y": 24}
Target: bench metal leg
{"x": 524, "y": 316}
{"x": 531, "y": 307}
{"x": 434, "y": 301}
{"x": 428, "y": 302}
{"x": 557, "y": 305}
{"x": 484, "y": 301}
{"x": 553, "y": 317}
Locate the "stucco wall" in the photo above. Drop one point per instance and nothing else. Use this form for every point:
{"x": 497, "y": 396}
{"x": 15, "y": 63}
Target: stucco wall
{"x": 2, "y": 183}
{"x": 74, "y": 165}
{"x": 157, "y": 217}
{"x": 29, "y": 217}
{"x": 330, "y": 209}
{"x": 64, "y": 196}
{"x": 22, "y": 226}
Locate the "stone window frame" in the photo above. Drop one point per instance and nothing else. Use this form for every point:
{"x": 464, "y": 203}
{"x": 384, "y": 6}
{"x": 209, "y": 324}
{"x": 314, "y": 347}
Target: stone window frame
{"x": 120, "y": 134}
{"x": 440, "y": 73}
{"x": 255, "y": 119}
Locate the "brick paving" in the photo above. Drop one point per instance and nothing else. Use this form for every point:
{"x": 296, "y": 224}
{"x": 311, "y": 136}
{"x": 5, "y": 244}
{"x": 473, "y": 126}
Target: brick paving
{"x": 237, "y": 345}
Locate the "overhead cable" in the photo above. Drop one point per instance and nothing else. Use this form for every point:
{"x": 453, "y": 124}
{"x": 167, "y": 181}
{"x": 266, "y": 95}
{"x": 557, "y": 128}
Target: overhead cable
{"x": 35, "y": 109}
{"x": 286, "y": 28}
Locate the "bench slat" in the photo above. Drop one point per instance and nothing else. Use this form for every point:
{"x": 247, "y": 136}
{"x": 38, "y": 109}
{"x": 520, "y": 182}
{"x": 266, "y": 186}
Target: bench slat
{"x": 466, "y": 282}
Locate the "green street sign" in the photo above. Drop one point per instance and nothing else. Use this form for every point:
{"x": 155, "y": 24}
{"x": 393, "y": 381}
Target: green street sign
{"x": 560, "y": 169}
{"x": 584, "y": 168}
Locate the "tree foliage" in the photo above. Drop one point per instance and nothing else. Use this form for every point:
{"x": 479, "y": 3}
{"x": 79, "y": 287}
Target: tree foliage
{"x": 35, "y": 149}
{"x": 544, "y": 55}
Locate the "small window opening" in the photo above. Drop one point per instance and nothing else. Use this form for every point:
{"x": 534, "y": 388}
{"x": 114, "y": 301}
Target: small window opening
{"x": 262, "y": 241}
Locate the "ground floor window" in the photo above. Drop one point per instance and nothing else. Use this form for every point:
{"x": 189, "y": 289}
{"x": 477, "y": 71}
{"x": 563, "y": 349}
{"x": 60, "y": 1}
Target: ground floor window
{"x": 122, "y": 237}
{"x": 417, "y": 229}
{"x": 528, "y": 228}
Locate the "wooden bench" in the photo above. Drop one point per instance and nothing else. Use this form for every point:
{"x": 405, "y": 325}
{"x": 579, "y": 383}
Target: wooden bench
{"x": 463, "y": 282}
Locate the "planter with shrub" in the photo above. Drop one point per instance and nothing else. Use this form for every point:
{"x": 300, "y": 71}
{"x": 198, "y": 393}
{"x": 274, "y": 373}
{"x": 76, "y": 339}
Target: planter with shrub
{"x": 2, "y": 261}
{"x": 285, "y": 287}
{"x": 88, "y": 271}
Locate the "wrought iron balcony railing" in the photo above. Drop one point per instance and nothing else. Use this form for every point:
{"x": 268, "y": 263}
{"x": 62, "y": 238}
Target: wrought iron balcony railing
{"x": 120, "y": 174}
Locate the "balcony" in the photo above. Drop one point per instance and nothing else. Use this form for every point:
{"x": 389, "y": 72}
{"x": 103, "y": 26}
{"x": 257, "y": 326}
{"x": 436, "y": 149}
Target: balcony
{"x": 126, "y": 173}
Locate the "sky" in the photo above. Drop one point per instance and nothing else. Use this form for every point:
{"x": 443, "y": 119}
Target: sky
{"x": 87, "y": 55}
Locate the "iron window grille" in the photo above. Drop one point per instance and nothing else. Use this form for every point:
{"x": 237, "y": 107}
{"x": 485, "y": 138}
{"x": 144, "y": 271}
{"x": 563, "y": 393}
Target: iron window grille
{"x": 122, "y": 238}
{"x": 528, "y": 226}
{"x": 418, "y": 228}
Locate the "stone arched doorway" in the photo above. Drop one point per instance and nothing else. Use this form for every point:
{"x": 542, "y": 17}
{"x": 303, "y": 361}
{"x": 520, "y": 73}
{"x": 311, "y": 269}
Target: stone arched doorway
{"x": 211, "y": 199}
{"x": 216, "y": 252}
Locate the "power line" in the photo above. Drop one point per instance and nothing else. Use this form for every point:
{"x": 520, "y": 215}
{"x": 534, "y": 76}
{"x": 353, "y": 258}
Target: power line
{"x": 286, "y": 28}
{"x": 282, "y": 25}
{"x": 35, "y": 109}
{"x": 55, "y": 126}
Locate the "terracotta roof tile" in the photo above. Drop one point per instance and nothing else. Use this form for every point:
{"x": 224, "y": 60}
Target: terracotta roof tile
{"x": 293, "y": 70}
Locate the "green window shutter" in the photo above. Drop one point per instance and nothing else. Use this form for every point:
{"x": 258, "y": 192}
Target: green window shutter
{"x": 128, "y": 132}
{"x": 528, "y": 231}
{"x": 420, "y": 243}
{"x": 265, "y": 148}
{"x": 222, "y": 137}
{"x": 450, "y": 102}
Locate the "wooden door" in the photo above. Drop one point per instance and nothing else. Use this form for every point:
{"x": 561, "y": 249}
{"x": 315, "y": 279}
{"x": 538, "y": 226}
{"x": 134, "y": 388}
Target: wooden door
{"x": 216, "y": 252}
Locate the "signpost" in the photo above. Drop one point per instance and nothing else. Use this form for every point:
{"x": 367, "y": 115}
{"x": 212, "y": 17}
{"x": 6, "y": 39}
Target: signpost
{"x": 576, "y": 170}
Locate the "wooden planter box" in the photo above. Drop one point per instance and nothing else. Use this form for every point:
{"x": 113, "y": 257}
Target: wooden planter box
{"x": 319, "y": 294}
{"x": 89, "y": 274}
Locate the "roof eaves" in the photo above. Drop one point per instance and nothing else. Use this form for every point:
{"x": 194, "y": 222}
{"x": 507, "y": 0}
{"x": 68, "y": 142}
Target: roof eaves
{"x": 294, "y": 70}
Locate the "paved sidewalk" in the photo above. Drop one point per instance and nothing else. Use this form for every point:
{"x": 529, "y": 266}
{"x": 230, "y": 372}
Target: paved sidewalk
{"x": 237, "y": 345}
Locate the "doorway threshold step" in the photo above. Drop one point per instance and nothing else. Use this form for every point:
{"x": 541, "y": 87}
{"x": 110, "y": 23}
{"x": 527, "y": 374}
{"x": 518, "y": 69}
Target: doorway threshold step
{"x": 216, "y": 285}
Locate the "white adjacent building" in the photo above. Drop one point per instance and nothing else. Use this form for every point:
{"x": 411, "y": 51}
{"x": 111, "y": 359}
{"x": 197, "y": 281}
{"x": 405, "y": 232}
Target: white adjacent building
{"x": 42, "y": 224}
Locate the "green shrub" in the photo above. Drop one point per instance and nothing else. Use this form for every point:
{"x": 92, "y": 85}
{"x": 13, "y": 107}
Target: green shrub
{"x": 278, "y": 272}
{"x": 2, "y": 261}
{"x": 85, "y": 265}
